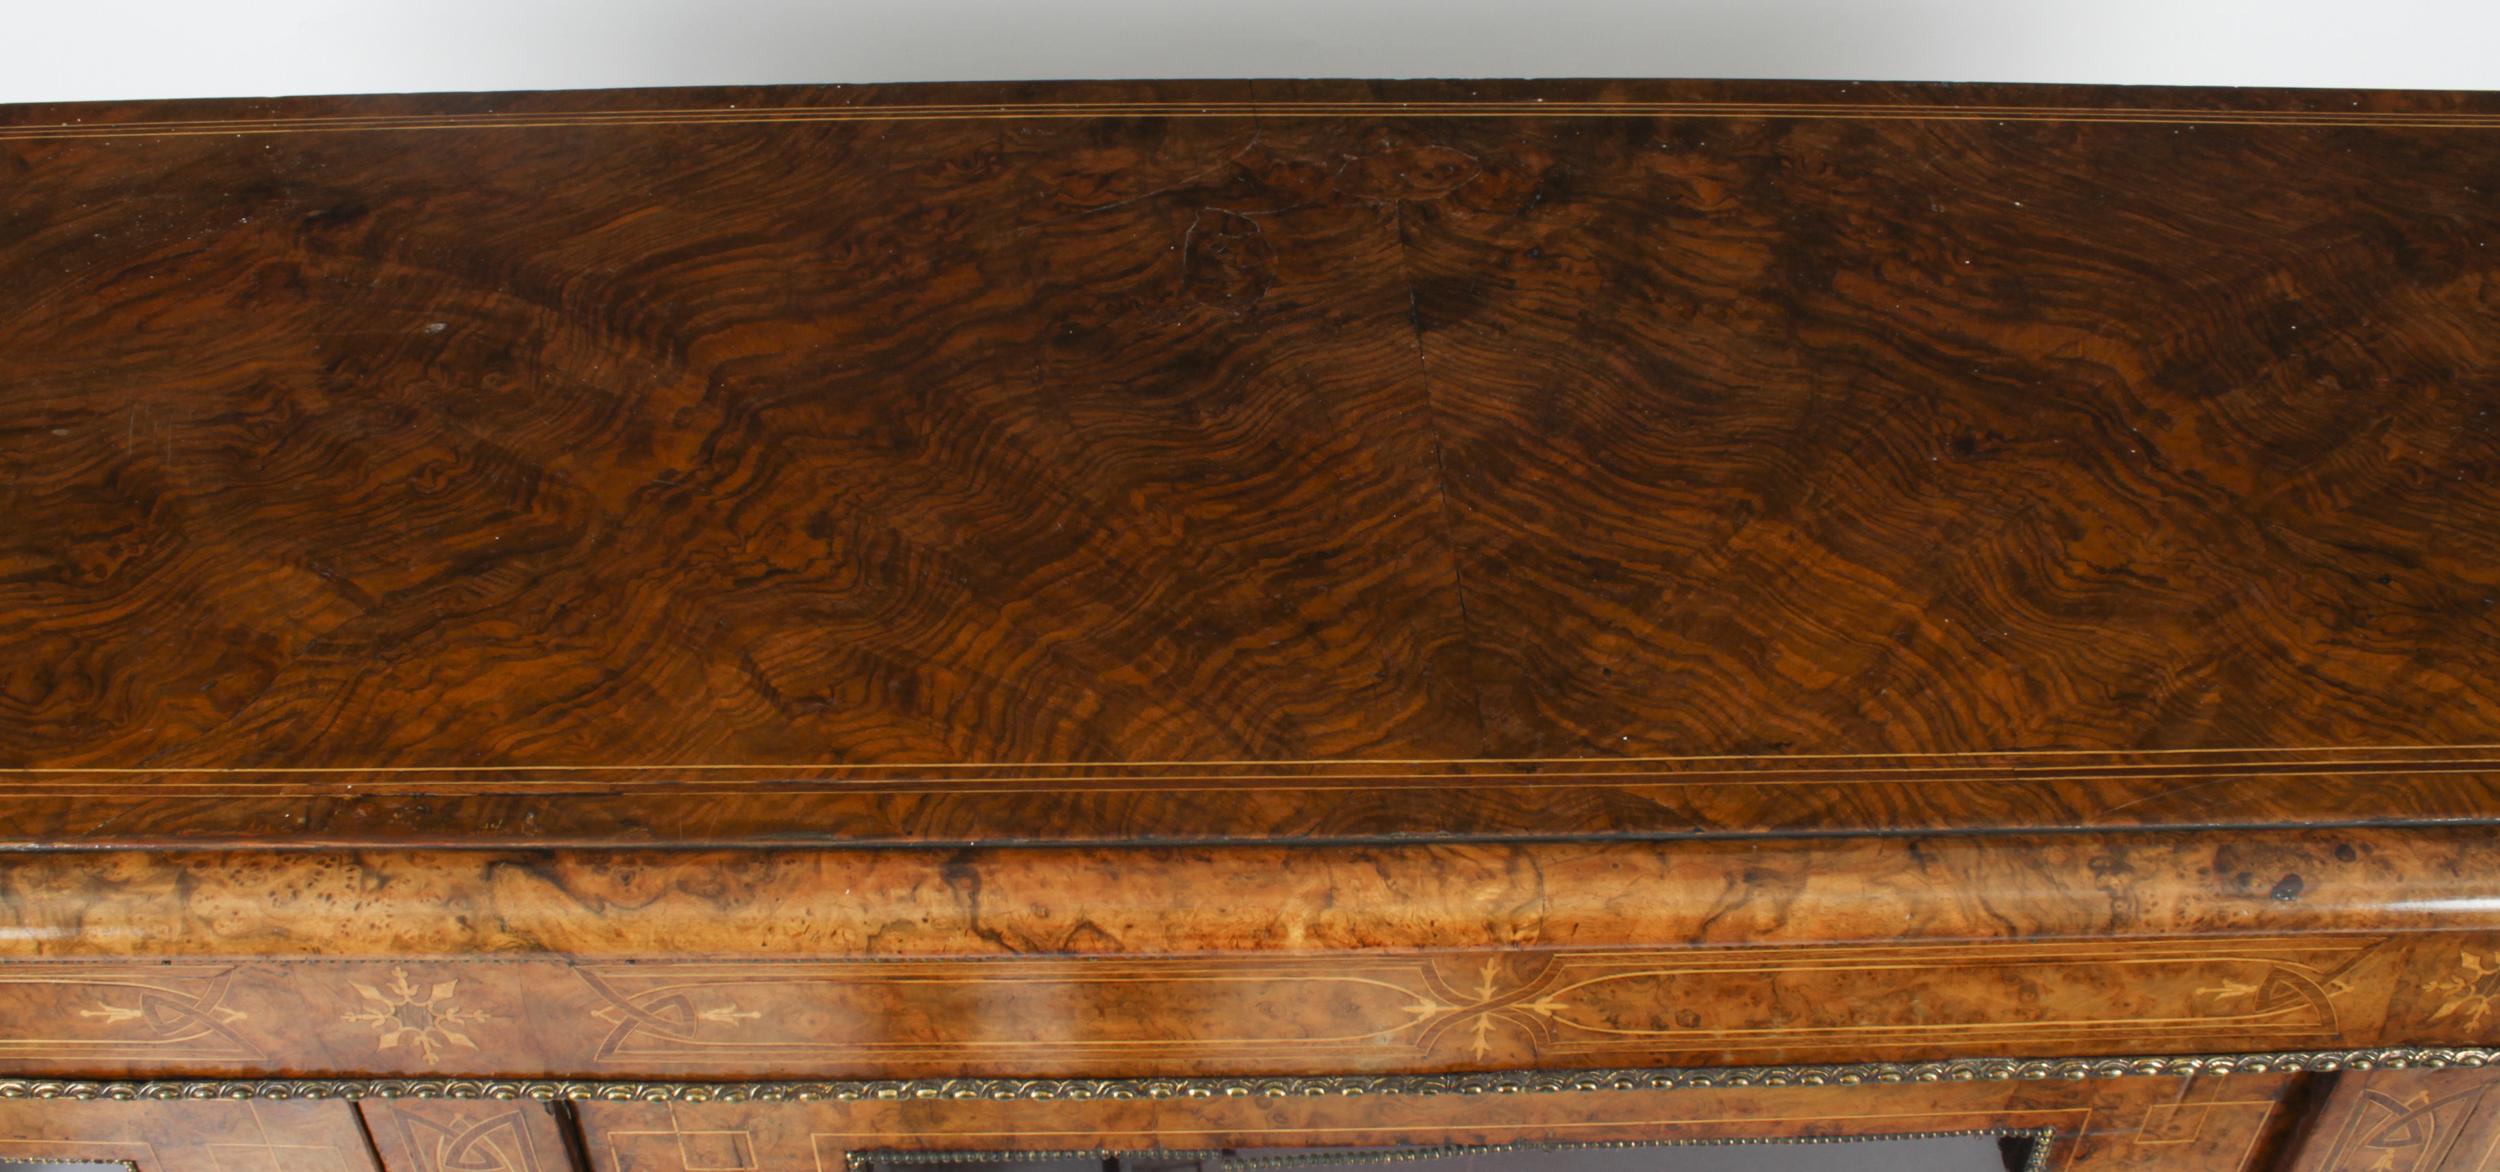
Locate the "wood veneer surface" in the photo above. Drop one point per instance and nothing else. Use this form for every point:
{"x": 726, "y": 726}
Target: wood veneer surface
{"x": 2404, "y": 1121}
{"x": 1218, "y": 460}
{"x": 1238, "y": 960}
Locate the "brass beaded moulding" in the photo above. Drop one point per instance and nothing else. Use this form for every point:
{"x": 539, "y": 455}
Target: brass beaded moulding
{"x": 1280, "y": 1086}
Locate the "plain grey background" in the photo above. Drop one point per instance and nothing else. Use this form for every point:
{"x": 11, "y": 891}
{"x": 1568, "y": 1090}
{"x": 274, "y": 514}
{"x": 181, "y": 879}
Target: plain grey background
{"x": 98, "y": 49}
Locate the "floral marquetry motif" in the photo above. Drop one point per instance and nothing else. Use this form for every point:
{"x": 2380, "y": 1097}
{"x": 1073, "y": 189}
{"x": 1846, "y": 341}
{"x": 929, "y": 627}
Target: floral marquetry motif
{"x": 2470, "y": 996}
{"x": 427, "y": 1020}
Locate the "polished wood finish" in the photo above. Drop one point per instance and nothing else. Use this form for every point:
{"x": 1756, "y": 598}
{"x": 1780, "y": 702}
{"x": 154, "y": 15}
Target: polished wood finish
{"x": 1260, "y": 1014}
{"x": 2406, "y": 1121}
{"x": 1211, "y": 901}
{"x": 466, "y": 1136}
{"x": 1260, "y": 801}
{"x": 190, "y": 1136}
{"x": 1234, "y": 960}
{"x": 1238, "y": 580}
{"x": 1281, "y": 423}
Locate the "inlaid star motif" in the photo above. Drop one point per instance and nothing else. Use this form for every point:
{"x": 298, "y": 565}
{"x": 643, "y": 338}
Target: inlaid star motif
{"x": 426, "y": 1021}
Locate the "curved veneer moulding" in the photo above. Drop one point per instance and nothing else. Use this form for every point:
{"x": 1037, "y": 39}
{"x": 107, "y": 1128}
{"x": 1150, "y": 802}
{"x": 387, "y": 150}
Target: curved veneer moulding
{"x": 1150, "y": 900}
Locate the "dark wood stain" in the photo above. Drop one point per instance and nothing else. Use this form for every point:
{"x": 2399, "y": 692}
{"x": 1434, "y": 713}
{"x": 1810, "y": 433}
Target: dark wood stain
{"x": 1279, "y": 422}
{"x": 1150, "y": 580}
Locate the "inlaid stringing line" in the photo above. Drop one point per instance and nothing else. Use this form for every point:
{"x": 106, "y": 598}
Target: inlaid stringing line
{"x": 1426, "y": 762}
{"x": 921, "y": 787}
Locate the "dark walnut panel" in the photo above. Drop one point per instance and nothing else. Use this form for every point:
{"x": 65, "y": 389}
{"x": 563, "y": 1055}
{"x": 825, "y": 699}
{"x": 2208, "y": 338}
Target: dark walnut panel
{"x": 1230, "y": 460}
{"x": 914, "y": 439}
{"x": 1840, "y": 435}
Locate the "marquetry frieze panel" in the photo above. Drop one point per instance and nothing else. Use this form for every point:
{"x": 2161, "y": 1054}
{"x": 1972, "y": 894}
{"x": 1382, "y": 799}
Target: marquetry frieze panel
{"x": 141, "y": 1012}
{"x": 1259, "y": 1013}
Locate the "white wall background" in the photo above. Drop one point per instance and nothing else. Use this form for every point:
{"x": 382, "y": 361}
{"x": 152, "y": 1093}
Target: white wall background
{"x": 94, "y": 49}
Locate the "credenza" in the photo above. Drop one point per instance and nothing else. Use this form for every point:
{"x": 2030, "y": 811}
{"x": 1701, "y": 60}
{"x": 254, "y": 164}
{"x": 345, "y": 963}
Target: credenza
{"x": 1154, "y": 627}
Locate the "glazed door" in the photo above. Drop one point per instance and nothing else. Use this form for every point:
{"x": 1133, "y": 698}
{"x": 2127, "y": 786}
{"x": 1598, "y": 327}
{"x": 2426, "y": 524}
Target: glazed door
{"x": 1978, "y": 1151}
{"x": 2136, "y": 1124}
